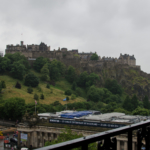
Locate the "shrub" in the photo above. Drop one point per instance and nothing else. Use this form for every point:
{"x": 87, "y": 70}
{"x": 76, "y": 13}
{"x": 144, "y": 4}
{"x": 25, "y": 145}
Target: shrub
{"x": 39, "y": 89}
{"x": 73, "y": 96}
{"x": 18, "y": 85}
{"x": 68, "y": 92}
{"x": 67, "y": 98}
{"x": 31, "y": 80}
{"x": 48, "y": 86}
{"x": 42, "y": 96}
{"x": 29, "y": 90}
{"x": 36, "y": 97}
{"x": 3, "y": 84}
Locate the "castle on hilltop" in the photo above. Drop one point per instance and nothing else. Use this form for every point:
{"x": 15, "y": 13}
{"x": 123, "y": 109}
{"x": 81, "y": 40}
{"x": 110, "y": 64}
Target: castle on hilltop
{"x": 69, "y": 57}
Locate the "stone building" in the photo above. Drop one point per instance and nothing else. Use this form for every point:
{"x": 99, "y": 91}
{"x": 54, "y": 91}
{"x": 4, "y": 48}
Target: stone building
{"x": 68, "y": 57}
{"x": 1, "y": 54}
{"x": 127, "y": 59}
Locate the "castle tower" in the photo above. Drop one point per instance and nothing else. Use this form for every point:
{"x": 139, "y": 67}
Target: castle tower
{"x": 21, "y": 43}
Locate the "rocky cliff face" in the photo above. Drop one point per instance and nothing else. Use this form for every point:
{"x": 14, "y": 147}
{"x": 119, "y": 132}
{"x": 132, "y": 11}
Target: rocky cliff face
{"x": 133, "y": 80}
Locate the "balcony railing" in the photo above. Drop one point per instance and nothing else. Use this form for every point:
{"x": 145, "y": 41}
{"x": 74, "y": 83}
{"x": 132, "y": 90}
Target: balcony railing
{"x": 110, "y": 142}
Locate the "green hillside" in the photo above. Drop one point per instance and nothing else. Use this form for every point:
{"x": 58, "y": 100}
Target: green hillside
{"x": 56, "y": 95}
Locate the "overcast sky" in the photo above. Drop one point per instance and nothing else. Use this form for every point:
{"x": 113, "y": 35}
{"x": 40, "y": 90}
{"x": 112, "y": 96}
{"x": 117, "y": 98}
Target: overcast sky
{"x": 109, "y": 27}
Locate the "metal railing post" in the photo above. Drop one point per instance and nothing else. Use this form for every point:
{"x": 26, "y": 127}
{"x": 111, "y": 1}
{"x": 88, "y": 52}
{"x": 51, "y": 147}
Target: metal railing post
{"x": 130, "y": 140}
{"x": 85, "y": 146}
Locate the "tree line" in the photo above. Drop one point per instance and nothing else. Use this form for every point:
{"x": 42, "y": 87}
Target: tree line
{"x": 108, "y": 98}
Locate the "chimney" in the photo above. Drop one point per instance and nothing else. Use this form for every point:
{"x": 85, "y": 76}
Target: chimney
{"x": 21, "y": 43}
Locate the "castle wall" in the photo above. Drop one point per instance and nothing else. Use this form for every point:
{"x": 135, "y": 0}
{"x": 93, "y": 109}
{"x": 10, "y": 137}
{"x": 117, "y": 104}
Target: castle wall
{"x": 69, "y": 58}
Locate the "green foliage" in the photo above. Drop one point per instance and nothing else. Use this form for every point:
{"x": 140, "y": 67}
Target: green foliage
{"x": 15, "y": 64}
{"x": 39, "y": 63}
{"x": 45, "y": 73}
{"x": 5, "y": 64}
{"x": 141, "y": 111}
{"x": 68, "y": 92}
{"x": 18, "y": 70}
{"x": 39, "y": 88}
{"x": 121, "y": 110}
{"x": 146, "y": 102}
{"x": 17, "y": 57}
{"x": 73, "y": 96}
{"x": 14, "y": 108}
{"x": 42, "y": 96}
{"x": 31, "y": 80}
{"x": 127, "y": 105}
{"x": 18, "y": 85}
{"x": 29, "y": 89}
{"x": 134, "y": 101}
{"x": 36, "y": 97}
{"x": 94, "y": 95}
{"x": 83, "y": 77}
{"x": 3, "y": 85}
{"x": 74, "y": 86}
{"x": 2, "y": 114}
{"x": 113, "y": 86}
{"x": 94, "y": 56}
{"x": 110, "y": 107}
{"x": 102, "y": 94}
{"x": 67, "y": 98}
{"x": 56, "y": 69}
{"x": 71, "y": 74}
{"x": 92, "y": 79}
{"x": 48, "y": 86}
{"x": 68, "y": 135}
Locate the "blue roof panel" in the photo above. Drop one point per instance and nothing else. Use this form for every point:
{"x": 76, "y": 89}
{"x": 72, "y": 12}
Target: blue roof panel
{"x": 76, "y": 114}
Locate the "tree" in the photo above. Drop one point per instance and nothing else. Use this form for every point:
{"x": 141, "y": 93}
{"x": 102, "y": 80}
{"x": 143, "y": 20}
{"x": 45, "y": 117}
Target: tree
{"x": 141, "y": 111}
{"x": 94, "y": 56}
{"x": 29, "y": 90}
{"x": 95, "y": 94}
{"x": 18, "y": 70}
{"x": 42, "y": 96}
{"x": 14, "y": 108}
{"x": 31, "y": 80}
{"x": 68, "y": 92}
{"x": 74, "y": 85}
{"x": 67, "y": 98}
{"x": 127, "y": 105}
{"x": 36, "y": 97}
{"x": 92, "y": 79}
{"x": 73, "y": 96}
{"x": 3, "y": 85}
{"x": 71, "y": 74}
{"x": 39, "y": 63}
{"x": 5, "y": 64}
{"x": 18, "y": 85}
{"x": 82, "y": 79}
{"x": 45, "y": 73}
{"x": 68, "y": 135}
{"x": 48, "y": 86}
{"x": 17, "y": 57}
{"x": 146, "y": 102}
{"x": 56, "y": 69}
{"x": 113, "y": 87}
{"x": 134, "y": 101}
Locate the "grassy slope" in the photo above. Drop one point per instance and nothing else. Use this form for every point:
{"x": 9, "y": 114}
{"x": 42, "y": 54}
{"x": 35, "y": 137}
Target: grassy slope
{"x": 57, "y": 95}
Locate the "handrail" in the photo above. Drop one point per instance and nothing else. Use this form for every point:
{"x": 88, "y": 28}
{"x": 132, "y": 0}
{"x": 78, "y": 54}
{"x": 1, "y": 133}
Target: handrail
{"x": 84, "y": 141}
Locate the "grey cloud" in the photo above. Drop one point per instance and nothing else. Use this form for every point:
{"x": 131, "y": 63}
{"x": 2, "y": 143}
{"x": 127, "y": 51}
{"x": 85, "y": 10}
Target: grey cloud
{"x": 107, "y": 27}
